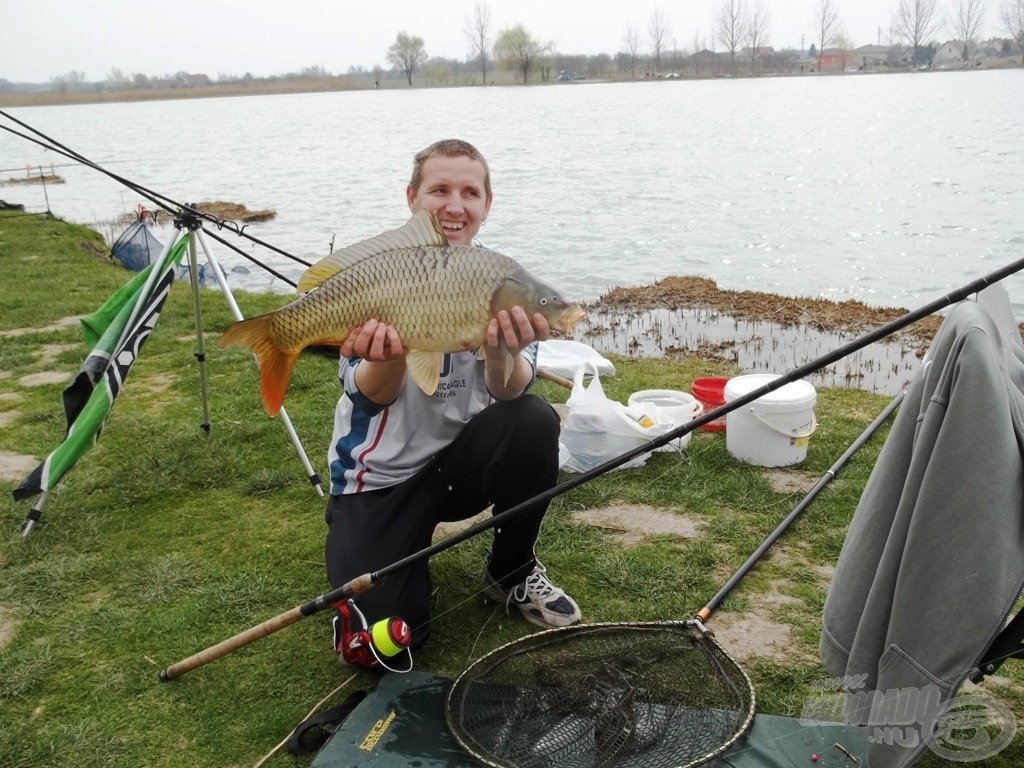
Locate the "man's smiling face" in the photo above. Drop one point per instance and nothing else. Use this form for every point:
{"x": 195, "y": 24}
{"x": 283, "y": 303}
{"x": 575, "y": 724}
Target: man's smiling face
{"x": 455, "y": 187}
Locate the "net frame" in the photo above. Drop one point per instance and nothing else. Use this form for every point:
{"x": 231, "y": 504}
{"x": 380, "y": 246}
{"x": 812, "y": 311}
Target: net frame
{"x": 471, "y": 700}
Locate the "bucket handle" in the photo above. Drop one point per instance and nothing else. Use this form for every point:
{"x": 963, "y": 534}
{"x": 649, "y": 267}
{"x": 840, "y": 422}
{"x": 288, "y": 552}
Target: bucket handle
{"x": 797, "y": 435}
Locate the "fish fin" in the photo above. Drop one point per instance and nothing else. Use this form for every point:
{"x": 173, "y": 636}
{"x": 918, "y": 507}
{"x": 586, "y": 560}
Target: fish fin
{"x": 275, "y": 364}
{"x": 425, "y": 369}
{"x": 510, "y": 363}
{"x": 424, "y": 228}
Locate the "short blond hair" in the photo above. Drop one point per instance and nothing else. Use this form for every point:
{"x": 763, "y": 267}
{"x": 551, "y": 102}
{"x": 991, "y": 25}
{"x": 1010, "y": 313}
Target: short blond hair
{"x": 448, "y": 148}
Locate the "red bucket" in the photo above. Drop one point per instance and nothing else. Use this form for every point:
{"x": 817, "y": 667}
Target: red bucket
{"x": 710, "y": 391}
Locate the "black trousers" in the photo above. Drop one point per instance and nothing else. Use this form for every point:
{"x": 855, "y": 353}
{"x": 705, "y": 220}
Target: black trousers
{"x": 505, "y": 454}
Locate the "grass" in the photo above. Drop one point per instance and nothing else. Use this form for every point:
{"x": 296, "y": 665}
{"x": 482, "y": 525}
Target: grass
{"x": 164, "y": 540}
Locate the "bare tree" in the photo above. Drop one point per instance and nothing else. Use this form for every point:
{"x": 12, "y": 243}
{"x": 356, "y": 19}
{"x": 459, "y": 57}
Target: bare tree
{"x": 69, "y": 81}
{"x": 658, "y": 31}
{"x": 730, "y": 28}
{"x": 758, "y": 28}
{"x": 698, "y": 45}
{"x": 1012, "y": 14}
{"x": 519, "y": 50}
{"x": 478, "y": 33}
{"x": 826, "y": 17}
{"x": 118, "y": 79}
{"x": 407, "y": 54}
{"x": 915, "y": 22}
{"x": 632, "y": 41}
{"x": 967, "y": 18}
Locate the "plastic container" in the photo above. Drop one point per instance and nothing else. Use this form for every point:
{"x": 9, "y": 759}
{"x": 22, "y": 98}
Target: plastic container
{"x": 710, "y": 391}
{"x": 775, "y": 429}
{"x": 668, "y": 406}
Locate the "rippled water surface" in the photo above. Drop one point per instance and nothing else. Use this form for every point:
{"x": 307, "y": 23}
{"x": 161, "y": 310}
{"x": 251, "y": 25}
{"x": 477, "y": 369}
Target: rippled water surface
{"x": 889, "y": 189}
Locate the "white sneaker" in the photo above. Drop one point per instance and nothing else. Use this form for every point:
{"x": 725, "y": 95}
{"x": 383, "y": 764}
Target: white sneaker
{"x": 540, "y": 601}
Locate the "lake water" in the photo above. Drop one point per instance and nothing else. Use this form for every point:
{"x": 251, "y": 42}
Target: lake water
{"x": 889, "y": 189}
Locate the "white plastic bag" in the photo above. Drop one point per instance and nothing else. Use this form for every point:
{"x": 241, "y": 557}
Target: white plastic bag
{"x": 597, "y": 429}
{"x": 564, "y": 357}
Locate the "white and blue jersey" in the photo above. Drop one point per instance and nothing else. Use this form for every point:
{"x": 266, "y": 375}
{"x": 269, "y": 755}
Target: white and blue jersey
{"x": 377, "y": 446}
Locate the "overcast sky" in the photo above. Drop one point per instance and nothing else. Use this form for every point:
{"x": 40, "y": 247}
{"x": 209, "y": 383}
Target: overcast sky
{"x": 44, "y": 38}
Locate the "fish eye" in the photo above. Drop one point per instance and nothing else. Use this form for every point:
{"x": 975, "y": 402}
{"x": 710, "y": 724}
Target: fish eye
{"x": 543, "y": 301}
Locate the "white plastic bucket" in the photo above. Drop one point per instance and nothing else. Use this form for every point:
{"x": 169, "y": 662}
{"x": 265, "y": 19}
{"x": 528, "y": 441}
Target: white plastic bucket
{"x": 669, "y": 407}
{"x": 775, "y": 429}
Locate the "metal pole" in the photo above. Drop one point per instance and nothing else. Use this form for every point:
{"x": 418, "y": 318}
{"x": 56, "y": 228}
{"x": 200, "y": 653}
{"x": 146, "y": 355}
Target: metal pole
{"x": 193, "y": 272}
{"x": 222, "y": 281}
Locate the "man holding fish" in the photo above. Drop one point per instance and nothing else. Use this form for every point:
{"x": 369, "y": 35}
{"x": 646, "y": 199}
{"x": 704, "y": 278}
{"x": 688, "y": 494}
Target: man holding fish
{"x": 429, "y": 431}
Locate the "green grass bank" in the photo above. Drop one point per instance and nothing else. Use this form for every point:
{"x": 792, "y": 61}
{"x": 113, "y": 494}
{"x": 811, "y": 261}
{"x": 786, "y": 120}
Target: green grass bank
{"x": 164, "y": 539}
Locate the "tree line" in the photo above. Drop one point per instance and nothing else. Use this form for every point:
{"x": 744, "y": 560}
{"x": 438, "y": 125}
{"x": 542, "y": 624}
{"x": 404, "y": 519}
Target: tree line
{"x": 741, "y": 34}
{"x": 740, "y": 26}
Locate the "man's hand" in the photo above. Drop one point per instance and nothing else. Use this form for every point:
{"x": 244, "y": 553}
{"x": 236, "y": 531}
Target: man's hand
{"x": 517, "y": 330}
{"x": 381, "y": 372}
{"x": 374, "y": 341}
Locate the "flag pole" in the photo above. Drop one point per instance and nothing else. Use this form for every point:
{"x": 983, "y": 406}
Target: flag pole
{"x": 218, "y": 273}
{"x": 41, "y": 474}
{"x": 34, "y": 514}
{"x": 192, "y": 224}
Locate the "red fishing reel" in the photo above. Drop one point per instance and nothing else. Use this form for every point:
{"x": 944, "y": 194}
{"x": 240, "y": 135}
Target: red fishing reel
{"x": 369, "y": 646}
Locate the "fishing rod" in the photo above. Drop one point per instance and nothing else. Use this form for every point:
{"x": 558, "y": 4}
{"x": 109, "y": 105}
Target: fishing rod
{"x": 168, "y": 204}
{"x": 705, "y": 613}
{"x": 368, "y": 580}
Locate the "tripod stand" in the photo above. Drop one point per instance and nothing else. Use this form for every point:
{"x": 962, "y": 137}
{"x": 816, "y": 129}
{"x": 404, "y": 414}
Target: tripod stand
{"x": 118, "y": 330}
{"x": 191, "y": 223}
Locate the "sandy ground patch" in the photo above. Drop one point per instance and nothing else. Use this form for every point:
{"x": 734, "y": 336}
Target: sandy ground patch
{"x": 5, "y": 375}
{"x": 44, "y": 377}
{"x": 8, "y": 417}
{"x": 445, "y": 530}
{"x": 790, "y": 480}
{"x": 156, "y": 384}
{"x": 8, "y": 625}
{"x": 744, "y": 636}
{"x": 10, "y": 396}
{"x": 632, "y": 524}
{"x": 64, "y": 322}
{"x": 14, "y": 466}
{"x": 50, "y": 352}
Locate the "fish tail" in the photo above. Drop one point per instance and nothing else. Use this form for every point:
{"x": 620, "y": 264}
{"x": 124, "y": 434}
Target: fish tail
{"x": 275, "y": 364}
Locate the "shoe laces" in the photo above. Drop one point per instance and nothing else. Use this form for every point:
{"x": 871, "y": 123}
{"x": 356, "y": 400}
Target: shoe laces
{"x": 535, "y": 586}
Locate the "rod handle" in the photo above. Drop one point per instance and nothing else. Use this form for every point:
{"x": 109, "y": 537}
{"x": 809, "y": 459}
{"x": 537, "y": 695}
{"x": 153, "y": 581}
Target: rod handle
{"x": 225, "y": 647}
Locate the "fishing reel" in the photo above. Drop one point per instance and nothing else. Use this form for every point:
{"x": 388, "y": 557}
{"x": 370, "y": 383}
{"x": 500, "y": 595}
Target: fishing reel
{"x": 368, "y": 646}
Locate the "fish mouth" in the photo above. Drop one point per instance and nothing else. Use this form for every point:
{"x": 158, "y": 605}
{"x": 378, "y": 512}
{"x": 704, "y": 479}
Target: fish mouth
{"x": 568, "y": 318}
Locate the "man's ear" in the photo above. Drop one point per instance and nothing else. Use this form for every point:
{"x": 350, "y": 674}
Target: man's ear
{"x": 410, "y": 197}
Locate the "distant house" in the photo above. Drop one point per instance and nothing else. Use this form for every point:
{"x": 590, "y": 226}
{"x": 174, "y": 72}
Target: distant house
{"x": 948, "y": 54}
{"x": 833, "y": 60}
{"x": 761, "y": 52}
{"x": 193, "y": 81}
{"x": 871, "y": 56}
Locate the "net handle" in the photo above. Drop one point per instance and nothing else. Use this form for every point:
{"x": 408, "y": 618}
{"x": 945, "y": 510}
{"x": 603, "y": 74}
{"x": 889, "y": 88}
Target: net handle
{"x": 705, "y": 613}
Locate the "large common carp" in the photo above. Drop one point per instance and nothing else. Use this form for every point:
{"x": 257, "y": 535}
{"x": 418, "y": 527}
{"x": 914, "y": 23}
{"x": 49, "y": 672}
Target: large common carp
{"x": 439, "y": 298}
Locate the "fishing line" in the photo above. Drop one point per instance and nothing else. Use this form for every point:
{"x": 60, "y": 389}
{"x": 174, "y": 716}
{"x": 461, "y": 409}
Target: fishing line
{"x": 168, "y": 204}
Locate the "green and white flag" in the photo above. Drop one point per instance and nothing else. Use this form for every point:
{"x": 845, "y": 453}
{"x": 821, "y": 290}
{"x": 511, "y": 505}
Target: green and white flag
{"x": 115, "y": 333}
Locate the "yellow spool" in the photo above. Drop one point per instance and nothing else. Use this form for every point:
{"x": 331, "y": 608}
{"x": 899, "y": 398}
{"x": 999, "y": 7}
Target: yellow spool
{"x": 382, "y": 639}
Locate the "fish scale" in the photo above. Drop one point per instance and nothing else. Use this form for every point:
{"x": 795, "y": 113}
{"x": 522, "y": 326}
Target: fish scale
{"x": 422, "y": 292}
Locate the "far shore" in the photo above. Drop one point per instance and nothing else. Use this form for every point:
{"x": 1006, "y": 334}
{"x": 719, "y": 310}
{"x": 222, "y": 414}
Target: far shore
{"x": 270, "y": 87}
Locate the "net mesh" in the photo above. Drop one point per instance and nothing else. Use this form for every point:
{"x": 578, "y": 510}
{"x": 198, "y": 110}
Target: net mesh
{"x": 602, "y": 695}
